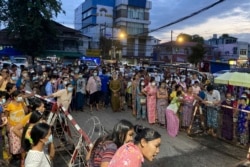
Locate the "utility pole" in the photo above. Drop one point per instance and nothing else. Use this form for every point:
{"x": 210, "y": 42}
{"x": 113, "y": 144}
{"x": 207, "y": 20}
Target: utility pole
{"x": 171, "y": 58}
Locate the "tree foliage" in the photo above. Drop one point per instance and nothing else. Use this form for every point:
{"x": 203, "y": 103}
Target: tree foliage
{"x": 106, "y": 45}
{"x": 190, "y": 38}
{"x": 30, "y": 22}
{"x": 197, "y": 55}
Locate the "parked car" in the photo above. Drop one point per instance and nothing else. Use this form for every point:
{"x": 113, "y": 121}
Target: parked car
{"x": 46, "y": 63}
{"x": 19, "y": 61}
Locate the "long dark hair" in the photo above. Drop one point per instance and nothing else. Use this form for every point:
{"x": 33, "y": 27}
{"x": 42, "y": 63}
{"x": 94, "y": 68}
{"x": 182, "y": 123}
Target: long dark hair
{"x": 145, "y": 133}
{"x": 34, "y": 118}
{"x": 38, "y": 132}
{"x": 117, "y": 136}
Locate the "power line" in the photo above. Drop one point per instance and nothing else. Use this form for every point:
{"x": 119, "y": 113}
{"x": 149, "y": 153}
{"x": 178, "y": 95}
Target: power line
{"x": 184, "y": 18}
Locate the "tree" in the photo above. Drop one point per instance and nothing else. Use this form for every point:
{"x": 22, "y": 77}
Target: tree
{"x": 198, "y": 39}
{"x": 106, "y": 45}
{"x": 197, "y": 54}
{"x": 190, "y": 38}
{"x": 29, "y": 23}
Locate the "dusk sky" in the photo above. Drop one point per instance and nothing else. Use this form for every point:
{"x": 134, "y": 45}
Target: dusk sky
{"x": 231, "y": 17}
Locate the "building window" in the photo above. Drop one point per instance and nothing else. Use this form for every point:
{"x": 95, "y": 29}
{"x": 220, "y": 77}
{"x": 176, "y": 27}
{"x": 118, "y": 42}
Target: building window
{"x": 135, "y": 13}
{"x": 135, "y": 28}
{"x": 235, "y": 50}
{"x": 243, "y": 52}
{"x": 86, "y": 14}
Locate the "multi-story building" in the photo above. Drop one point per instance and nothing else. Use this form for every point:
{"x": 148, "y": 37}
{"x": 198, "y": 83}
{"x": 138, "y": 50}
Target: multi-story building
{"x": 67, "y": 43}
{"x": 176, "y": 52}
{"x": 227, "y": 48}
{"x": 111, "y": 17}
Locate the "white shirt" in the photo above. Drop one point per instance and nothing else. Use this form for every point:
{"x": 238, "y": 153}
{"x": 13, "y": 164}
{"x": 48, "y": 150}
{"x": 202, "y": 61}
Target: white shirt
{"x": 37, "y": 159}
{"x": 215, "y": 96}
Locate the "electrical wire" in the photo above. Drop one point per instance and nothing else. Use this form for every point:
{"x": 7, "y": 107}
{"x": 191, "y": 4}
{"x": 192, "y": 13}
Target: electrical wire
{"x": 183, "y": 18}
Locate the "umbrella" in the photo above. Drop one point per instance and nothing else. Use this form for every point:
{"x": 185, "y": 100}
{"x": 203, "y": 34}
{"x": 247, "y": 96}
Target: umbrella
{"x": 234, "y": 78}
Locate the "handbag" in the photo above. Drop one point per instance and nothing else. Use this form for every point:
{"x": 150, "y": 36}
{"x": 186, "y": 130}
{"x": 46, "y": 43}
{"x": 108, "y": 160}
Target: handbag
{"x": 143, "y": 101}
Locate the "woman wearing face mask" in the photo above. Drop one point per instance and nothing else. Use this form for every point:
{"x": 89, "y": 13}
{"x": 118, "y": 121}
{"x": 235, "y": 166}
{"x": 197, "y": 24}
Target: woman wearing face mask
{"x": 141, "y": 101}
{"x": 33, "y": 117}
{"x": 64, "y": 96}
{"x": 162, "y": 102}
{"x": 39, "y": 136}
{"x": 15, "y": 111}
{"x": 151, "y": 91}
{"x": 93, "y": 88}
{"x": 10, "y": 88}
{"x": 13, "y": 78}
{"x": 146, "y": 146}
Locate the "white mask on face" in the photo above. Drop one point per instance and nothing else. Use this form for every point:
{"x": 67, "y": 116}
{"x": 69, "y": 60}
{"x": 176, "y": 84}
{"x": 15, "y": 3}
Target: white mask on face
{"x": 142, "y": 83}
{"x": 50, "y": 140}
{"x": 95, "y": 74}
{"x": 153, "y": 83}
{"x": 19, "y": 99}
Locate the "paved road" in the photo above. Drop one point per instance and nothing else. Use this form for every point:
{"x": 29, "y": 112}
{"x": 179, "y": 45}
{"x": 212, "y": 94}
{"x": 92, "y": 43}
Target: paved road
{"x": 182, "y": 151}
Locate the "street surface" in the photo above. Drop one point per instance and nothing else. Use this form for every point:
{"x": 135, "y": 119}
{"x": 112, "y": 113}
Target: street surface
{"x": 182, "y": 151}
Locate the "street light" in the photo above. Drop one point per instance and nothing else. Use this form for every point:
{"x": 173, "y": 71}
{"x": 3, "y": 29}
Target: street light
{"x": 121, "y": 36}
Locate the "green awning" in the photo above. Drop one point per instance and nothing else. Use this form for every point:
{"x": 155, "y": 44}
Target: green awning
{"x": 60, "y": 54}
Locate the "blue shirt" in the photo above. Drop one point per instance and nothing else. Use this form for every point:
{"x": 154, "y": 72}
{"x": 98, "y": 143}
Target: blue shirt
{"x": 49, "y": 88}
{"x": 105, "y": 80}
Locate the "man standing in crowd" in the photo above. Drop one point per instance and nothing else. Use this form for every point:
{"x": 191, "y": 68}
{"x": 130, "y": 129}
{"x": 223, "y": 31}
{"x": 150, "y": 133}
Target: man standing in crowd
{"x": 212, "y": 100}
{"x": 80, "y": 92}
{"x": 104, "y": 89}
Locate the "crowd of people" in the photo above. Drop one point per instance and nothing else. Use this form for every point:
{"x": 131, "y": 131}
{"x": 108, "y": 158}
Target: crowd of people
{"x": 167, "y": 99}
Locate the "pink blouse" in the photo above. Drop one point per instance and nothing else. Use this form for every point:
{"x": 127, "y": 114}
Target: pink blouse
{"x": 127, "y": 155}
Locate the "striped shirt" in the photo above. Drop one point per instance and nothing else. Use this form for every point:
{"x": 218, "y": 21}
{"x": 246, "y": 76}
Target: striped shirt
{"x": 102, "y": 153}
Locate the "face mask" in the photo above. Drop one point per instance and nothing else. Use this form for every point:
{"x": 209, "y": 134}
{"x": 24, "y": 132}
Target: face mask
{"x": 3, "y": 101}
{"x": 14, "y": 78}
{"x": 167, "y": 81}
{"x": 65, "y": 82}
{"x": 153, "y": 83}
{"x": 70, "y": 89}
{"x": 182, "y": 80}
{"x": 44, "y": 76}
{"x": 80, "y": 76}
{"x": 50, "y": 140}
{"x": 19, "y": 99}
{"x": 95, "y": 74}
{"x": 35, "y": 78}
{"x": 142, "y": 83}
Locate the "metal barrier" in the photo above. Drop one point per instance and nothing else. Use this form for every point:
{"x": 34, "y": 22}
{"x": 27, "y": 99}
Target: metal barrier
{"x": 71, "y": 134}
